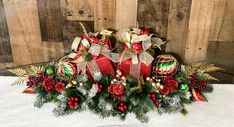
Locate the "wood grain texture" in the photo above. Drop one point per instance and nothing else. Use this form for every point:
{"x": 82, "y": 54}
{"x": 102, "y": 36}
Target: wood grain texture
{"x": 78, "y": 10}
{"x": 178, "y": 21}
{"x": 154, "y": 13}
{"x": 52, "y": 51}
{"x": 5, "y": 46}
{"x": 199, "y": 30}
{"x": 25, "y": 35}
{"x": 126, "y": 14}
{"x": 104, "y": 14}
{"x": 222, "y": 25}
{"x": 24, "y": 30}
{"x": 51, "y": 20}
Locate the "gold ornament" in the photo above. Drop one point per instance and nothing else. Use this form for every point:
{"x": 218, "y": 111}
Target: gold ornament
{"x": 114, "y": 80}
{"x": 158, "y": 84}
{"x": 68, "y": 85}
{"x": 161, "y": 87}
{"x": 74, "y": 82}
{"x": 153, "y": 84}
{"x": 81, "y": 84}
{"x": 148, "y": 78}
{"x": 118, "y": 71}
{"x": 123, "y": 78}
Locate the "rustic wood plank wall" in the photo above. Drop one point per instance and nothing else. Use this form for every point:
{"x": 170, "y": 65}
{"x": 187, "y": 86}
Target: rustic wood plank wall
{"x": 25, "y": 35}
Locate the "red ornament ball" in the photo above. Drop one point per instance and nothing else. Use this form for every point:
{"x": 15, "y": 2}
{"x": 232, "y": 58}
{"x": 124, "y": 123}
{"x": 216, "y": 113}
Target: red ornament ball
{"x": 137, "y": 47}
{"x": 164, "y": 65}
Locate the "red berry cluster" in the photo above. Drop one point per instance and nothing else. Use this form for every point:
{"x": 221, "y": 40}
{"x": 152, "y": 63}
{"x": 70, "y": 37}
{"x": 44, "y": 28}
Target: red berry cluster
{"x": 153, "y": 96}
{"x": 193, "y": 80}
{"x": 122, "y": 107}
{"x": 73, "y": 102}
{"x": 35, "y": 80}
{"x": 202, "y": 85}
{"x": 99, "y": 87}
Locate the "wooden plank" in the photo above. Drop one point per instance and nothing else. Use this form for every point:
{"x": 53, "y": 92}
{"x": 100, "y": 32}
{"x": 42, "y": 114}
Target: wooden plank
{"x": 5, "y": 46}
{"x": 52, "y": 51}
{"x": 104, "y": 14}
{"x": 126, "y": 14}
{"x": 178, "y": 21}
{"x": 222, "y": 26}
{"x": 78, "y": 10}
{"x": 199, "y": 29}
{"x": 154, "y": 13}
{"x": 24, "y": 30}
{"x": 51, "y": 20}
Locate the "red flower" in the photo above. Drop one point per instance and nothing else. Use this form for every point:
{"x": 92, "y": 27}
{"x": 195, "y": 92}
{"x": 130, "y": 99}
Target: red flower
{"x": 48, "y": 84}
{"x": 117, "y": 90}
{"x": 59, "y": 86}
{"x": 164, "y": 91}
{"x": 170, "y": 83}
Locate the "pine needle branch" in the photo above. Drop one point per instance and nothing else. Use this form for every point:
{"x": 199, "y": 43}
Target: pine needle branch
{"x": 19, "y": 72}
{"x": 20, "y": 80}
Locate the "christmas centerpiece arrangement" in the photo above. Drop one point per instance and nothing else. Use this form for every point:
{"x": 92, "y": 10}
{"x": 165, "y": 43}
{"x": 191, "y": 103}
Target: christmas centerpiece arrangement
{"x": 114, "y": 78}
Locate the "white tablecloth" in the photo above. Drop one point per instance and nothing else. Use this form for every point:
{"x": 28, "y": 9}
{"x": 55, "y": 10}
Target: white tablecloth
{"x": 17, "y": 110}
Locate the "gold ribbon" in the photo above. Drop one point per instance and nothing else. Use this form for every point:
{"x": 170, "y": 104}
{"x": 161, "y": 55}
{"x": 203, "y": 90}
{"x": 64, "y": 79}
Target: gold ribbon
{"x": 77, "y": 41}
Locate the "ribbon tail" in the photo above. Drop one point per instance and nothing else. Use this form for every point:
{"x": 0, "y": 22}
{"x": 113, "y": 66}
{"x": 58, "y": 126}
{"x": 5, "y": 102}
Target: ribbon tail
{"x": 75, "y": 43}
{"x": 94, "y": 70}
{"x": 146, "y": 58}
{"x": 135, "y": 70}
{"x": 135, "y": 59}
